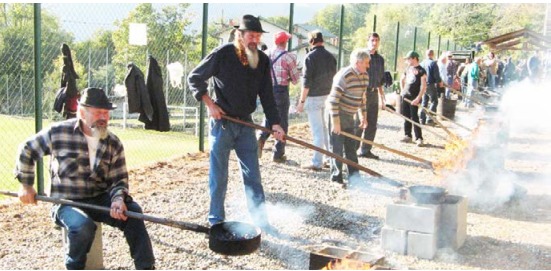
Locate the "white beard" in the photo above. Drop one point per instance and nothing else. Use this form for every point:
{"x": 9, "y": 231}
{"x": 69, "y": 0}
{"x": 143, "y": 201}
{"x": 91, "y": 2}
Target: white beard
{"x": 100, "y": 132}
{"x": 252, "y": 57}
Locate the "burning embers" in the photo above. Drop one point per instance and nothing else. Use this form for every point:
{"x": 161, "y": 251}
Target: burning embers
{"x": 331, "y": 258}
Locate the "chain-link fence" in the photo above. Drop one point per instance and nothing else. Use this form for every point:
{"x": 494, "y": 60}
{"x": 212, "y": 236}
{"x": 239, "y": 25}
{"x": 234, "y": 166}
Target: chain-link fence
{"x": 105, "y": 38}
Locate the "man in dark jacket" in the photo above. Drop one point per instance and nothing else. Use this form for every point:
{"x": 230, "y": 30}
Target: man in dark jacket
{"x": 433, "y": 82}
{"x": 240, "y": 73}
{"x": 373, "y": 94}
{"x": 319, "y": 68}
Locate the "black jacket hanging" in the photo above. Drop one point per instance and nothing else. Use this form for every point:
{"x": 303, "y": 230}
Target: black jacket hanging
{"x": 154, "y": 82}
{"x": 138, "y": 96}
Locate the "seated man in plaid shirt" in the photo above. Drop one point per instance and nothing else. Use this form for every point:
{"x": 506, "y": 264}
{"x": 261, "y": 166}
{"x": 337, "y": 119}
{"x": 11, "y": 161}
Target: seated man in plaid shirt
{"x": 87, "y": 165}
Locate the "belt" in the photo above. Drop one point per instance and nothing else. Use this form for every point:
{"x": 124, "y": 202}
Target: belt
{"x": 246, "y": 118}
{"x": 371, "y": 89}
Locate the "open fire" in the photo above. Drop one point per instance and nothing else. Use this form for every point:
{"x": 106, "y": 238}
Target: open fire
{"x": 346, "y": 264}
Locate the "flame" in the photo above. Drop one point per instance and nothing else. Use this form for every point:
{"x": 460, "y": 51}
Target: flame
{"x": 346, "y": 264}
{"x": 457, "y": 154}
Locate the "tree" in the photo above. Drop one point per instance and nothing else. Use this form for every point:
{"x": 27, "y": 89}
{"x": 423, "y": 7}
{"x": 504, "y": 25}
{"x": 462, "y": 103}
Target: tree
{"x": 462, "y": 23}
{"x": 329, "y": 18}
{"x": 281, "y": 21}
{"x": 166, "y": 33}
{"x": 17, "y": 47}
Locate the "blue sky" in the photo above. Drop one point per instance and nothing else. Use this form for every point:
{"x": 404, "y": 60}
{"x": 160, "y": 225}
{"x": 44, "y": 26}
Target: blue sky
{"x": 84, "y": 19}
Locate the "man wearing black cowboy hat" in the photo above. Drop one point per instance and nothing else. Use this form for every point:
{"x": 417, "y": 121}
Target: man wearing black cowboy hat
{"x": 241, "y": 73}
{"x": 87, "y": 165}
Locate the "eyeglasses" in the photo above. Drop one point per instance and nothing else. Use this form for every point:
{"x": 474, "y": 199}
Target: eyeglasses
{"x": 450, "y": 56}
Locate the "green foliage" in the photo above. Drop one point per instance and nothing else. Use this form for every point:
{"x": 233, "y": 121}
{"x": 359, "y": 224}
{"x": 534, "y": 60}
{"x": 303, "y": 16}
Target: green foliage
{"x": 281, "y": 21}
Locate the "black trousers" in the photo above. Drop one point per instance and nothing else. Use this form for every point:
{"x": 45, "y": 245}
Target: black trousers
{"x": 372, "y": 106}
{"x": 411, "y": 112}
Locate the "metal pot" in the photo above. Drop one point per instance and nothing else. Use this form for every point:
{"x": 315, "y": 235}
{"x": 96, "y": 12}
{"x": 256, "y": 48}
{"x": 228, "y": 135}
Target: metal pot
{"x": 234, "y": 238}
{"x": 425, "y": 194}
{"x": 230, "y": 238}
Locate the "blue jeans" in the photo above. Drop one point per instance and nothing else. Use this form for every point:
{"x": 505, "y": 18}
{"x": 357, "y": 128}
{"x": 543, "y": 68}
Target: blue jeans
{"x": 224, "y": 137}
{"x": 81, "y": 230}
{"x": 431, "y": 95}
{"x": 315, "y": 108}
{"x": 472, "y": 85}
{"x": 281, "y": 96}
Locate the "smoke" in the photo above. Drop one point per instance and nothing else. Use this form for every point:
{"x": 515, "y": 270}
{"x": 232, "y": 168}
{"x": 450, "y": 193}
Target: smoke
{"x": 524, "y": 103}
{"x": 289, "y": 218}
{"x": 492, "y": 176}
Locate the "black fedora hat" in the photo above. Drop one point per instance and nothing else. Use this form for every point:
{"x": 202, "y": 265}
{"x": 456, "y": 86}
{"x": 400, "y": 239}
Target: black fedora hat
{"x": 95, "y": 97}
{"x": 250, "y": 23}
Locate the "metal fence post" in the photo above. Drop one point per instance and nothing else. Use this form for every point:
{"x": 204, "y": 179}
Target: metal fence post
{"x": 414, "y": 38}
{"x": 340, "y": 37}
{"x": 8, "y": 93}
{"x": 38, "y": 90}
{"x": 203, "y": 54}
{"x": 438, "y": 49}
{"x": 428, "y": 41}
{"x": 166, "y": 79}
{"x": 291, "y": 14}
{"x": 396, "y": 49}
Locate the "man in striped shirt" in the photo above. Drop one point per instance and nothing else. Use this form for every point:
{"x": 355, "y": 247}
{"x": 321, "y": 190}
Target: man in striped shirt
{"x": 87, "y": 165}
{"x": 347, "y": 96}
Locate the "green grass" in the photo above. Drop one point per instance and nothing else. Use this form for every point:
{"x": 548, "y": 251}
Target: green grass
{"x": 141, "y": 146}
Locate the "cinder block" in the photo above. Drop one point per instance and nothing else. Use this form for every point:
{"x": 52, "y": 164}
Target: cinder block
{"x": 394, "y": 240}
{"x": 94, "y": 258}
{"x": 413, "y": 217}
{"x": 422, "y": 245}
{"x": 453, "y": 223}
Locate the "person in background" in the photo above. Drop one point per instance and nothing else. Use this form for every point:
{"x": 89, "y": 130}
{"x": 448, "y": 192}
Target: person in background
{"x": 533, "y": 66}
{"x": 509, "y": 72}
{"x": 472, "y": 81}
{"x": 319, "y": 68}
{"x": 462, "y": 73}
{"x": 413, "y": 85}
{"x": 433, "y": 82}
{"x": 87, "y": 165}
{"x": 284, "y": 70}
{"x": 347, "y": 97}
{"x": 491, "y": 70}
{"x": 451, "y": 70}
{"x": 443, "y": 70}
{"x": 374, "y": 93}
{"x": 241, "y": 73}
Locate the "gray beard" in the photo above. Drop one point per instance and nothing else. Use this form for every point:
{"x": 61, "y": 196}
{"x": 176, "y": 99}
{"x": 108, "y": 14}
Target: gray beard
{"x": 252, "y": 57}
{"x": 100, "y": 132}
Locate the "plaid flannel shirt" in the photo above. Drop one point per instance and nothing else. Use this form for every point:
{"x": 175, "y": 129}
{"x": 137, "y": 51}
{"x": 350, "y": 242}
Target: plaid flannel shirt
{"x": 71, "y": 174}
{"x": 285, "y": 67}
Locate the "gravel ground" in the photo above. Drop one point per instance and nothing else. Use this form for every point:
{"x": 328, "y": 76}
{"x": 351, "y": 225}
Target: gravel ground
{"x": 310, "y": 211}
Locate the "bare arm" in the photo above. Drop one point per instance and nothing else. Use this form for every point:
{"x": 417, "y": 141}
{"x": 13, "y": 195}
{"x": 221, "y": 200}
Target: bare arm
{"x": 302, "y": 99}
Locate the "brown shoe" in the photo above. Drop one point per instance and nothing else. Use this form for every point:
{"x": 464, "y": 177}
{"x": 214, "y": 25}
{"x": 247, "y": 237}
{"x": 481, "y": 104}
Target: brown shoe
{"x": 260, "y": 143}
{"x": 311, "y": 167}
